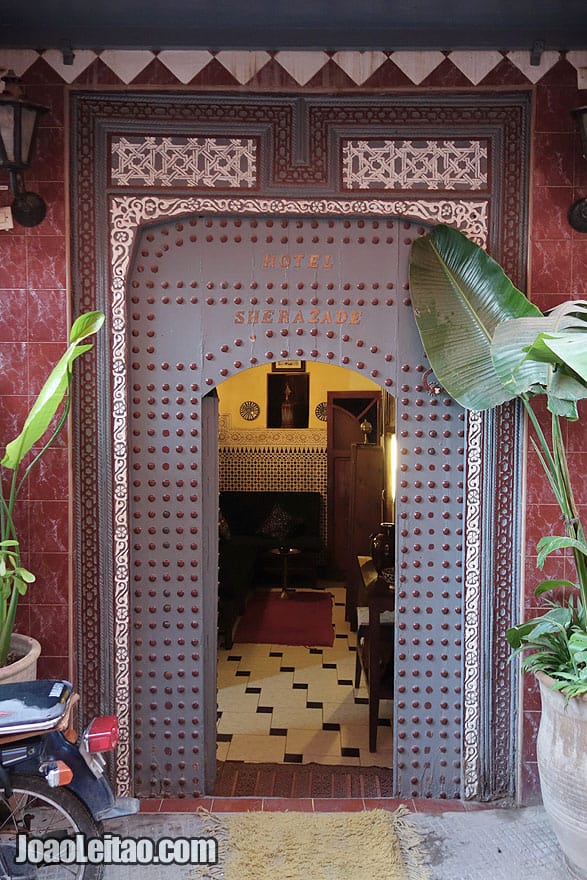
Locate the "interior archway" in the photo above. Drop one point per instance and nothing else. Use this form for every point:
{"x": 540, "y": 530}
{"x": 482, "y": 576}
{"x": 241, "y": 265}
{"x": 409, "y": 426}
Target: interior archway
{"x": 292, "y": 717}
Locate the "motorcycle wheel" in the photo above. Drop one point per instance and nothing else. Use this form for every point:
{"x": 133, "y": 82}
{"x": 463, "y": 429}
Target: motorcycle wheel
{"x": 37, "y": 810}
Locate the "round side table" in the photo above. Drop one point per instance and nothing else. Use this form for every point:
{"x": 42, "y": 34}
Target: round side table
{"x": 285, "y": 553}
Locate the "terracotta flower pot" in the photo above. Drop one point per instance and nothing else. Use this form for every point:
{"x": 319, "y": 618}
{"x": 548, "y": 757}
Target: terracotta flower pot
{"x": 562, "y": 765}
{"x": 24, "y": 668}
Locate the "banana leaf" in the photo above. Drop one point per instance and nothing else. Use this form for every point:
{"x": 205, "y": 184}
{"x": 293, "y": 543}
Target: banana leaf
{"x": 460, "y": 295}
{"x": 554, "y": 621}
{"x": 509, "y": 352}
{"x": 545, "y": 355}
{"x": 53, "y": 391}
{"x": 563, "y": 339}
{"x": 568, "y": 349}
{"x": 578, "y": 651}
{"x": 553, "y": 584}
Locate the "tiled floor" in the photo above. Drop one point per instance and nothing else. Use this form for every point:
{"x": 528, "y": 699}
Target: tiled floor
{"x": 310, "y": 804}
{"x": 280, "y": 704}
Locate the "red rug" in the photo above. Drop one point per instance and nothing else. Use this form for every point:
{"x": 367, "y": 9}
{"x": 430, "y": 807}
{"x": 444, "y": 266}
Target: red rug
{"x": 301, "y": 618}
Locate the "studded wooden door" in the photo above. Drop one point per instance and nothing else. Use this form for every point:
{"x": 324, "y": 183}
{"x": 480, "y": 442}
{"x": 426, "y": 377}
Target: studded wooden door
{"x": 209, "y": 297}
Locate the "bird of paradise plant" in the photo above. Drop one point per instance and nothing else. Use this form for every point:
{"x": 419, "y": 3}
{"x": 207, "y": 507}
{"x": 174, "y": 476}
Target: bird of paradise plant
{"x": 488, "y": 344}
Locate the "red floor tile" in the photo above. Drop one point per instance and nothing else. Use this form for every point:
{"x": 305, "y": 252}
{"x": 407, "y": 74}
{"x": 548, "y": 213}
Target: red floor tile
{"x": 150, "y": 805}
{"x": 322, "y": 805}
{"x": 184, "y": 805}
{"x": 391, "y": 804}
{"x": 338, "y": 805}
{"x": 440, "y": 805}
{"x": 278, "y": 805}
{"x": 236, "y": 805}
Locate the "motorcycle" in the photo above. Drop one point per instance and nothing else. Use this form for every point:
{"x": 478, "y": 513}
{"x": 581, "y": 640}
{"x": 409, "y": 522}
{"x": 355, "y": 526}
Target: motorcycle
{"x": 53, "y": 786}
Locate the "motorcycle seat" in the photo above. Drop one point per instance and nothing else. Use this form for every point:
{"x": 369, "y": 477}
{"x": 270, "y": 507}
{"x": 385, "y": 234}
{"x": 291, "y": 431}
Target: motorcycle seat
{"x": 31, "y": 706}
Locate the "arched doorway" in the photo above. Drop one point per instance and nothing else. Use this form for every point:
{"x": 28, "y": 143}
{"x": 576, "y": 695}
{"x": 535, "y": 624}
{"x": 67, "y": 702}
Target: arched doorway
{"x": 443, "y": 742}
{"x": 292, "y": 717}
{"x": 210, "y": 296}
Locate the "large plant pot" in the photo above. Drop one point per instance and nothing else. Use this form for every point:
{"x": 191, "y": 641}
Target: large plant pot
{"x": 562, "y": 765}
{"x": 24, "y": 668}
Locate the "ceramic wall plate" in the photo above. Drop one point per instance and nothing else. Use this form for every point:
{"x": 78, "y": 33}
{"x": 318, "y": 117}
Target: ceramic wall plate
{"x": 321, "y": 411}
{"x": 249, "y": 410}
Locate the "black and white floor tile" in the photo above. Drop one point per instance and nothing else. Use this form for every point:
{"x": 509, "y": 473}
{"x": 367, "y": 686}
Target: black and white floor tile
{"x": 280, "y": 704}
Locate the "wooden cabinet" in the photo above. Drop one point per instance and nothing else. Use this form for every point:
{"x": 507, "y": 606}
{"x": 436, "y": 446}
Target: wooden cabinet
{"x": 346, "y": 411}
{"x": 365, "y": 512}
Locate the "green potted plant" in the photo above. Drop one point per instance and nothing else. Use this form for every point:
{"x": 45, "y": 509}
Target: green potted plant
{"x": 487, "y": 344}
{"x": 42, "y": 426}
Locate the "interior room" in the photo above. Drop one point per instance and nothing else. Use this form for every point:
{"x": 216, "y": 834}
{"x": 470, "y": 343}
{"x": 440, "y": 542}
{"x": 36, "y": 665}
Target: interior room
{"x": 299, "y": 704}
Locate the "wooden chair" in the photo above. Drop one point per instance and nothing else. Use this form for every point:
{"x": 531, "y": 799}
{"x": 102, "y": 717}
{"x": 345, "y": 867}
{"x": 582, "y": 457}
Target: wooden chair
{"x": 375, "y": 643}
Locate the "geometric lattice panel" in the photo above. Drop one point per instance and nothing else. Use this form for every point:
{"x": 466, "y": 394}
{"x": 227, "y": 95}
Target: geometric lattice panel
{"x": 200, "y": 162}
{"x": 275, "y": 470}
{"x": 414, "y": 165}
{"x": 272, "y": 470}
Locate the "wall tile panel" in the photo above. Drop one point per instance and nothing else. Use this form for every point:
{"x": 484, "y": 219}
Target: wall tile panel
{"x": 549, "y": 213}
{"x": 49, "y": 154}
{"x": 529, "y": 787}
{"x": 13, "y": 363}
{"x": 42, "y": 356}
{"x": 49, "y": 480}
{"x": 52, "y": 584}
{"x": 54, "y": 223}
{"x": 575, "y": 431}
{"x": 541, "y": 519}
{"x": 48, "y": 525}
{"x": 553, "y": 108}
{"x": 13, "y": 314}
{"x": 13, "y": 264}
{"x": 47, "y": 315}
{"x": 46, "y": 261}
{"x": 555, "y": 154}
{"x": 579, "y": 282}
{"x": 55, "y": 667}
{"x": 530, "y": 723}
{"x": 47, "y": 622}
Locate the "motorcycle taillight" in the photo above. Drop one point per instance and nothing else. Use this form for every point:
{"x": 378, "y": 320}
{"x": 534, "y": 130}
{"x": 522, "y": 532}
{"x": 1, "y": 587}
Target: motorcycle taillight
{"x": 101, "y": 734}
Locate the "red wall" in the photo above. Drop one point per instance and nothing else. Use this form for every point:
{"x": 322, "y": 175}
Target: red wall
{"x": 558, "y": 271}
{"x": 34, "y": 301}
{"x": 33, "y": 329}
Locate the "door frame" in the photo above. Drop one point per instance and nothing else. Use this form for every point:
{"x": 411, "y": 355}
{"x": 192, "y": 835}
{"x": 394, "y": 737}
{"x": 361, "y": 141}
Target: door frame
{"x": 106, "y": 222}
